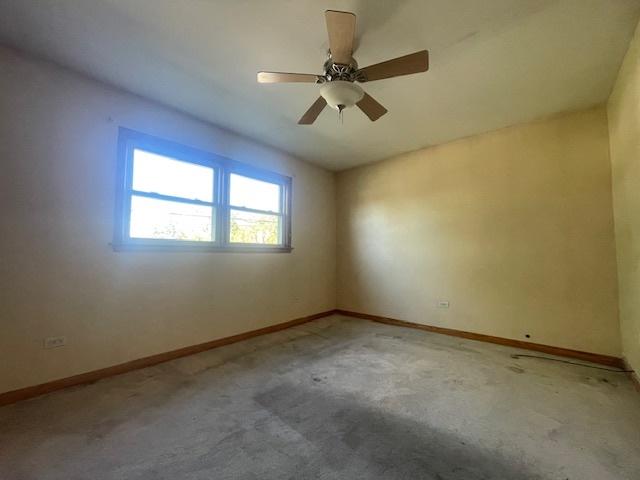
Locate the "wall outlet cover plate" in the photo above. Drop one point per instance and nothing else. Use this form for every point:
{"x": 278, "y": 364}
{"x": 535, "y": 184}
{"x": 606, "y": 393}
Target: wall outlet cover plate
{"x": 54, "y": 342}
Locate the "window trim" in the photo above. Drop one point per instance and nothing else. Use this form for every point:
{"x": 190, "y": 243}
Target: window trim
{"x": 129, "y": 140}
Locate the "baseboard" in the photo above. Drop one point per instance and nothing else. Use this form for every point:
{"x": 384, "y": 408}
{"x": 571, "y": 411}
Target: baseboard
{"x": 13, "y": 396}
{"x": 632, "y": 374}
{"x": 95, "y": 375}
{"x": 563, "y": 352}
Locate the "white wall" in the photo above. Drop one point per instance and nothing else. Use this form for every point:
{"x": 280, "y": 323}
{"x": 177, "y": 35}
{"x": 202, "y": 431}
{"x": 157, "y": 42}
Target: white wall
{"x": 58, "y": 274}
{"x": 514, "y": 228}
{"x": 624, "y": 131}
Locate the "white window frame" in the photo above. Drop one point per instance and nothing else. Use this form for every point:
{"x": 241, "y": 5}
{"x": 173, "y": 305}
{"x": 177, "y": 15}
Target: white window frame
{"x": 130, "y": 140}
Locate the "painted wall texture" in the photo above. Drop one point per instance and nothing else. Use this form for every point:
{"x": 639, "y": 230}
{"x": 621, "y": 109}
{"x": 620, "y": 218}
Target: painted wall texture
{"x": 624, "y": 132}
{"x": 514, "y": 228}
{"x": 58, "y": 274}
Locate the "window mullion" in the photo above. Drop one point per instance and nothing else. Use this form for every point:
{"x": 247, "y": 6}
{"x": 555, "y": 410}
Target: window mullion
{"x": 286, "y": 213}
{"x": 215, "y": 232}
{"x": 224, "y": 207}
{"x": 220, "y": 219}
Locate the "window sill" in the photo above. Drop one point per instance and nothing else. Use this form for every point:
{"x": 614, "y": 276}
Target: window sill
{"x": 141, "y": 247}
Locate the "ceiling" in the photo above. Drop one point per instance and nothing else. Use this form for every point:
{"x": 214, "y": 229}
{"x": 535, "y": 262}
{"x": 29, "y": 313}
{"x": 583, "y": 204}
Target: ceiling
{"x": 493, "y": 62}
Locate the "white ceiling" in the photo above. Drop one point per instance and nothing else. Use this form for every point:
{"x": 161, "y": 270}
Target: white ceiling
{"x": 493, "y": 62}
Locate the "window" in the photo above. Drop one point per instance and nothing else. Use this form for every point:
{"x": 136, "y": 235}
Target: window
{"x": 172, "y": 197}
{"x": 255, "y": 211}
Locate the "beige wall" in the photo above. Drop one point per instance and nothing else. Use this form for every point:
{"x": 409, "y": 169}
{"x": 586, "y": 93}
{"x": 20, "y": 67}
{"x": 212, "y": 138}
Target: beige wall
{"x": 514, "y": 228}
{"x": 58, "y": 274}
{"x": 624, "y": 131}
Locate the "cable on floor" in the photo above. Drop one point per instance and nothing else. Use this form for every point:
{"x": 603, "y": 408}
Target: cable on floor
{"x": 517, "y": 356}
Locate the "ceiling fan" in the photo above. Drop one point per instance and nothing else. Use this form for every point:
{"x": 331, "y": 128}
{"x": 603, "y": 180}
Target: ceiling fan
{"x": 338, "y": 88}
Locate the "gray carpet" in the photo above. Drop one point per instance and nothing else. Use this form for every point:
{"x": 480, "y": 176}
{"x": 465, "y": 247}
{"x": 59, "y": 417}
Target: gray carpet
{"x": 334, "y": 399}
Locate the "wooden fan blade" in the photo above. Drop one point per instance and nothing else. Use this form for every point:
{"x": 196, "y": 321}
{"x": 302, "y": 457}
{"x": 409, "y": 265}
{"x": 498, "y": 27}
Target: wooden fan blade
{"x": 280, "y": 77}
{"x": 341, "y": 27}
{"x": 371, "y": 108}
{"x": 412, "y": 63}
{"x": 310, "y": 115}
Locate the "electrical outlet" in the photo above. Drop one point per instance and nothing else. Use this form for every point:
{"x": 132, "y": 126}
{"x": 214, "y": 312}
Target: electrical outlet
{"x": 54, "y": 342}
{"x": 443, "y": 304}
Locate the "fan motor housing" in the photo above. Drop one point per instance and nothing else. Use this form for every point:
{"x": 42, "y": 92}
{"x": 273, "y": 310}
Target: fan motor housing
{"x": 338, "y": 71}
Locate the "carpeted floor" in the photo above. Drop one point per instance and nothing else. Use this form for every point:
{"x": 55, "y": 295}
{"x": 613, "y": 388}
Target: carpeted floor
{"x": 334, "y": 399}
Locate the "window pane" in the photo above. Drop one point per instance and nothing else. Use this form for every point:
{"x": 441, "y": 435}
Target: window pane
{"x": 251, "y": 193}
{"x": 249, "y": 227}
{"x": 164, "y": 175}
{"x": 151, "y": 218}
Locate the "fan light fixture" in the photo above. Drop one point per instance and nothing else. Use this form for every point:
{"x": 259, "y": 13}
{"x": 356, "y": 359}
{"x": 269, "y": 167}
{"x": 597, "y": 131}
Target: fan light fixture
{"x": 341, "y": 94}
